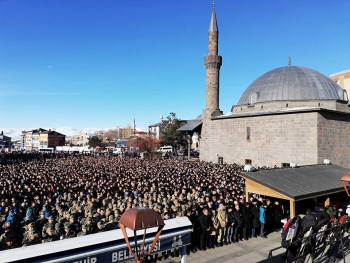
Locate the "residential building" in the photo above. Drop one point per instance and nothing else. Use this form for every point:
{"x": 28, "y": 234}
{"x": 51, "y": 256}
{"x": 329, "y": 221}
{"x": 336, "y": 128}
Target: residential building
{"x": 5, "y": 142}
{"x": 51, "y": 139}
{"x": 80, "y": 140}
{"x": 41, "y": 138}
{"x": 342, "y": 79}
{"x": 125, "y": 132}
{"x": 30, "y": 139}
{"x": 141, "y": 134}
{"x": 155, "y": 131}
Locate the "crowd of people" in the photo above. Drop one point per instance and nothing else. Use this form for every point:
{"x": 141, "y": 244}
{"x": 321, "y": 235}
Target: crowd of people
{"x": 44, "y": 199}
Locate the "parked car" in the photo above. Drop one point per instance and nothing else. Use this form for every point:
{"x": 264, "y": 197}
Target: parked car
{"x": 194, "y": 153}
{"x": 180, "y": 152}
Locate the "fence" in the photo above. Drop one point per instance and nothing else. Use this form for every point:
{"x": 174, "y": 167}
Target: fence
{"x": 330, "y": 245}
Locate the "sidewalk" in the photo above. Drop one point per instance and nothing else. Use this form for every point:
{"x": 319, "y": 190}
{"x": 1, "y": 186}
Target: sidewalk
{"x": 255, "y": 250}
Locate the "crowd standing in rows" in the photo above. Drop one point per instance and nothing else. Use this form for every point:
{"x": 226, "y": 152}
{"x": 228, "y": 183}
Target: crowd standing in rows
{"x": 44, "y": 198}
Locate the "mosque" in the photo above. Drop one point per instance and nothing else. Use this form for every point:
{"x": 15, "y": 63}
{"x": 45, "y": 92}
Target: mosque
{"x": 289, "y": 116}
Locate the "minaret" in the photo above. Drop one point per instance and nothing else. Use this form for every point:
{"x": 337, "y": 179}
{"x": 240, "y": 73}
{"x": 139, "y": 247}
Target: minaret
{"x": 213, "y": 62}
{"x": 134, "y": 130}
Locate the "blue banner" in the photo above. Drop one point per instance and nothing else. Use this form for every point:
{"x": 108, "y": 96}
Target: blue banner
{"x": 122, "y": 253}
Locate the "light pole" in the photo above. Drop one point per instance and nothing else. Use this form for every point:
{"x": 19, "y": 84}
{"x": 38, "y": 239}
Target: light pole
{"x": 141, "y": 218}
{"x": 188, "y": 146}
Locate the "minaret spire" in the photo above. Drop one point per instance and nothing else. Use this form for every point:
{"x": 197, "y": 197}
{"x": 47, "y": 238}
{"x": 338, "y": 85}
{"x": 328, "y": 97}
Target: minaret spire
{"x": 213, "y": 27}
{"x": 212, "y": 62}
{"x": 289, "y": 62}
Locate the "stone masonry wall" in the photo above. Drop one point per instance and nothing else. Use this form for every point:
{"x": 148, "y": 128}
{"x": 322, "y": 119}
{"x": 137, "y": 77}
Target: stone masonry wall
{"x": 274, "y": 139}
{"x": 334, "y": 138}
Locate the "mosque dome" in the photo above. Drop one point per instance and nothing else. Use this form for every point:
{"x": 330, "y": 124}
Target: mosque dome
{"x": 292, "y": 83}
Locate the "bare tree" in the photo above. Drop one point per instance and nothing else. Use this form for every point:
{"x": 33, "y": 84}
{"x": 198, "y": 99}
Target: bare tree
{"x": 112, "y": 134}
{"x": 144, "y": 144}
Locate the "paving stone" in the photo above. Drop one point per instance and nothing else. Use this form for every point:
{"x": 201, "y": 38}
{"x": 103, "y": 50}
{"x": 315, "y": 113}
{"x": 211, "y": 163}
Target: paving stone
{"x": 255, "y": 250}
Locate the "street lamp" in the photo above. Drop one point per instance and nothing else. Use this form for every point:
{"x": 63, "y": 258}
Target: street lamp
{"x": 137, "y": 219}
{"x": 189, "y": 146}
{"x": 346, "y": 179}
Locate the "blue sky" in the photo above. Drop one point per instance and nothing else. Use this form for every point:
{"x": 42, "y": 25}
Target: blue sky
{"x": 101, "y": 64}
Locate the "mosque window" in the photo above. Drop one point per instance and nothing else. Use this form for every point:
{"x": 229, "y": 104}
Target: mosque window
{"x": 253, "y": 98}
{"x": 248, "y": 161}
{"x": 248, "y": 133}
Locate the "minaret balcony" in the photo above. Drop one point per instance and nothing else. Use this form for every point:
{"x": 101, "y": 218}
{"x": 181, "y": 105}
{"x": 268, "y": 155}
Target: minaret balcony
{"x": 210, "y": 59}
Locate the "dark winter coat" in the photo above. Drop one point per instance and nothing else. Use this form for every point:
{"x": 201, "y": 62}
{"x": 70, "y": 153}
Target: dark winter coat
{"x": 320, "y": 215}
{"x": 247, "y": 216}
{"x": 308, "y": 221}
{"x": 256, "y": 214}
{"x": 238, "y": 218}
{"x": 278, "y": 214}
{"x": 270, "y": 215}
{"x": 205, "y": 222}
{"x": 231, "y": 218}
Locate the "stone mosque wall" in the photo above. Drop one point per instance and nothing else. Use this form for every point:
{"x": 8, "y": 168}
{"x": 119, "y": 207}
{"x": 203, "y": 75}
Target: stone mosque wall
{"x": 302, "y": 138}
{"x": 334, "y": 138}
{"x": 273, "y": 139}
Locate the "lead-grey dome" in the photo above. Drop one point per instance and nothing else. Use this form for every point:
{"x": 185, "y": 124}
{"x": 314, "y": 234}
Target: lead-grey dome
{"x": 292, "y": 83}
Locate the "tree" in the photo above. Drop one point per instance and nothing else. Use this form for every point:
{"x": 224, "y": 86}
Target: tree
{"x": 146, "y": 144}
{"x": 94, "y": 141}
{"x": 99, "y": 134}
{"x": 170, "y": 135}
{"x": 112, "y": 134}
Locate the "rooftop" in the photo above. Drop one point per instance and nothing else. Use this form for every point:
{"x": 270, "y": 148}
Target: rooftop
{"x": 292, "y": 83}
{"x": 302, "y": 182}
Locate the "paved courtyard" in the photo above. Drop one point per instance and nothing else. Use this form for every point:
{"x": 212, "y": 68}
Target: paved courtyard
{"x": 254, "y": 250}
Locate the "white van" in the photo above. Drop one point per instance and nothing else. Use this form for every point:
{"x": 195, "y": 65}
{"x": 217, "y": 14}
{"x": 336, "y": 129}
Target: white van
{"x": 165, "y": 149}
{"x": 117, "y": 150}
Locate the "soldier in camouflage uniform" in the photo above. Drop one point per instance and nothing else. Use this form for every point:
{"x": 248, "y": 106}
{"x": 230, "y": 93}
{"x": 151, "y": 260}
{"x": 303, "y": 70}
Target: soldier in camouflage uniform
{"x": 60, "y": 216}
{"x": 8, "y": 233}
{"x": 67, "y": 233}
{"x": 74, "y": 225}
{"x": 73, "y": 209}
{"x": 51, "y": 235}
{"x": 9, "y": 243}
{"x": 49, "y": 224}
{"x": 83, "y": 231}
{"x": 32, "y": 238}
{"x": 58, "y": 229}
{"x": 89, "y": 226}
{"x": 100, "y": 228}
{"x": 41, "y": 221}
{"x": 111, "y": 224}
{"x": 30, "y": 228}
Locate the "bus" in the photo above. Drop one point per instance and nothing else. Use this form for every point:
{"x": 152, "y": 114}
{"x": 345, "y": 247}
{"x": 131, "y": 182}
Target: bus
{"x": 47, "y": 150}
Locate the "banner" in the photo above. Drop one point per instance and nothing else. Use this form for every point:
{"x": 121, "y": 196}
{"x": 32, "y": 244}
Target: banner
{"x": 122, "y": 253}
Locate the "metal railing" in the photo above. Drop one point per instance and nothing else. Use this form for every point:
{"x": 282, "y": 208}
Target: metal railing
{"x": 331, "y": 245}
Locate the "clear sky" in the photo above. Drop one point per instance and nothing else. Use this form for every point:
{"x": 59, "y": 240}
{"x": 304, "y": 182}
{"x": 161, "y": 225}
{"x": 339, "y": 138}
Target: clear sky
{"x": 101, "y": 64}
